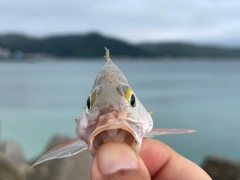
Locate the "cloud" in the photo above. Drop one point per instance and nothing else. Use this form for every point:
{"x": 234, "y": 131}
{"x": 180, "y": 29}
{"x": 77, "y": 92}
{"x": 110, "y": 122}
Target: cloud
{"x": 135, "y": 21}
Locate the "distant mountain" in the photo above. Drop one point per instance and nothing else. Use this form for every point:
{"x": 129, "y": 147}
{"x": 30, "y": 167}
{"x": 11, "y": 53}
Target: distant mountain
{"x": 91, "y": 45}
{"x": 188, "y": 50}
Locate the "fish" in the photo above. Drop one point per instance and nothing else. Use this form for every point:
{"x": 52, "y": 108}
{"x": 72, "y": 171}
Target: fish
{"x": 112, "y": 113}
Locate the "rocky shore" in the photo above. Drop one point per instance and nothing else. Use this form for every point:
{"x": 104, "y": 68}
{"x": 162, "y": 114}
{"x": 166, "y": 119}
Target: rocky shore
{"x": 220, "y": 168}
{"x": 14, "y": 166}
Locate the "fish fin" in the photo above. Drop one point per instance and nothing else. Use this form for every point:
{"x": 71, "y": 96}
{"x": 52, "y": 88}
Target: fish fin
{"x": 160, "y": 131}
{"x": 69, "y": 148}
{"x": 107, "y": 56}
{"x": 76, "y": 120}
{"x": 151, "y": 113}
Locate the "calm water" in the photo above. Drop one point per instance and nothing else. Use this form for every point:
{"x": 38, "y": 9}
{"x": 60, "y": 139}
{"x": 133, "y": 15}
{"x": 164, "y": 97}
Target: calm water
{"x": 40, "y": 99}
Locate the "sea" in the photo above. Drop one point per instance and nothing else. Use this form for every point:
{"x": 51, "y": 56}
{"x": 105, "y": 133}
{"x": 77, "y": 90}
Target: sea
{"x": 41, "y": 98}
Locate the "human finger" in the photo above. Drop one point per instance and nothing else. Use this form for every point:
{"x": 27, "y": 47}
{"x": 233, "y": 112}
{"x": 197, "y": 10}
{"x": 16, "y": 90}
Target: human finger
{"x": 117, "y": 160}
{"x": 163, "y": 162}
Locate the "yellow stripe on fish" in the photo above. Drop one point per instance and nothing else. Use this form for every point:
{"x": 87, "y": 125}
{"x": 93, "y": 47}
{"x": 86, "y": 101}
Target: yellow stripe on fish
{"x": 91, "y": 100}
{"x": 129, "y": 95}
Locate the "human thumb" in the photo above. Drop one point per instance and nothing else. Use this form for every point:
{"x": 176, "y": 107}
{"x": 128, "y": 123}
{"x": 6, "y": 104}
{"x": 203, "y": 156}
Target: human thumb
{"x": 117, "y": 160}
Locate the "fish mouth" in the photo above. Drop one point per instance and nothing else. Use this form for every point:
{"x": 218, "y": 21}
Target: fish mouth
{"x": 116, "y": 130}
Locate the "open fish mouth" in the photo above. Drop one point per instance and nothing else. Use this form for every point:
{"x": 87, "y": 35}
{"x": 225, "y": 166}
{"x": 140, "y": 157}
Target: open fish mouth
{"x": 115, "y": 130}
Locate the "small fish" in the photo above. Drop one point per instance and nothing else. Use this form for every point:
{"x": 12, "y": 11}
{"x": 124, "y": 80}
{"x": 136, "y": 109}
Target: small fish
{"x": 112, "y": 113}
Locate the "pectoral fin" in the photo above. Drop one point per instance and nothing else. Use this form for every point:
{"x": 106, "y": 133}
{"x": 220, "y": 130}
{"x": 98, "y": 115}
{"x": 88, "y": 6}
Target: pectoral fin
{"x": 66, "y": 149}
{"x": 76, "y": 120}
{"x": 151, "y": 113}
{"x": 160, "y": 131}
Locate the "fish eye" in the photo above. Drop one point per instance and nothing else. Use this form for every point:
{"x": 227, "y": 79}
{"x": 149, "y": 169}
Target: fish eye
{"x": 130, "y": 97}
{"x": 88, "y": 102}
{"x": 133, "y": 100}
{"x": 91, "y": 100}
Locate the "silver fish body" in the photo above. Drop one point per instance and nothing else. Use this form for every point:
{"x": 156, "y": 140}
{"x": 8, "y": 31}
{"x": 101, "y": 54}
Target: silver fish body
{"x": 112, "y": 113}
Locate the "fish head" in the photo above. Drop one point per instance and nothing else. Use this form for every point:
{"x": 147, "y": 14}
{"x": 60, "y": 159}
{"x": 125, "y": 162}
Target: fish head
{"x": 113, "y": 112}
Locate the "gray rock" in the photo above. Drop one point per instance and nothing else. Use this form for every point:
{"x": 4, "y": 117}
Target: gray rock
{"x": 75, "y": 168}
{"x": 8, "y": 170}
{"x": 13, "y": 164}
{"x": 221, "y": 169}
{"x": 13, "y": 151}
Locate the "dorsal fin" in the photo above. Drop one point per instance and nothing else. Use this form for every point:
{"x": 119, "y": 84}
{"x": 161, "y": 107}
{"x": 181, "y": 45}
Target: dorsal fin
{"x": 107, "y": 56}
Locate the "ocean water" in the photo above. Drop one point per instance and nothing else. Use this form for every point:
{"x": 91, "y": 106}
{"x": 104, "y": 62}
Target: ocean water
{"x": 39, "y": 99}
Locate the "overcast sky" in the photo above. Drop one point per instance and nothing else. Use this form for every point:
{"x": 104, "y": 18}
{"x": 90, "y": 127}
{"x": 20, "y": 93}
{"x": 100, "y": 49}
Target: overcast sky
{"x": 207, "y": 21}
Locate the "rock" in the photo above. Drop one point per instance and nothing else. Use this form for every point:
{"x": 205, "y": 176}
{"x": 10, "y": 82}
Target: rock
{"x": 8, "y": 170}
{"x": 75, "y": 167}
{"x": 221, "y": 168}
{"x": 13, "y": 151}
{"x": 13, "y": 164}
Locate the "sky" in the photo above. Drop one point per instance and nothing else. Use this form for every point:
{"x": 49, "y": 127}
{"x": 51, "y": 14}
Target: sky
{"x": 136, "y": 21}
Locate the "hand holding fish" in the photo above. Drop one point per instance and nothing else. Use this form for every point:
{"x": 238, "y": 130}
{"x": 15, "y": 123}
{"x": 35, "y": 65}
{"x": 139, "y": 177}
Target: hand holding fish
{"x": 115, "y": 124}
{"x": 156, "y": 160}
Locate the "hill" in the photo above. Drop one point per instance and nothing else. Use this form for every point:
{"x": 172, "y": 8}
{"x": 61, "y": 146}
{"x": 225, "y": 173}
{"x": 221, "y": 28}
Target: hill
{"x": 188, "y": 50}
{"x": 91, "y": 45}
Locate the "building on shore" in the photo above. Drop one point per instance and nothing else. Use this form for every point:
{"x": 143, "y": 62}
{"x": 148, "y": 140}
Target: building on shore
{"x": 5, "y": 53}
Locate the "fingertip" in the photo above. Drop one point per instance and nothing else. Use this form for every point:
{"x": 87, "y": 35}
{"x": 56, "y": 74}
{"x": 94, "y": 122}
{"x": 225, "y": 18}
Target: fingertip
{"x": 117, "y": 160}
